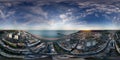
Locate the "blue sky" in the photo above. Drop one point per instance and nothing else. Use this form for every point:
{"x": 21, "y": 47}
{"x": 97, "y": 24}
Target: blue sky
{"x": 59, "y": 15}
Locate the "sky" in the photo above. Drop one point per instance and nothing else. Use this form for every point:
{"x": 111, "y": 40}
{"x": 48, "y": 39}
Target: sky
{"x": 60, "y": 14}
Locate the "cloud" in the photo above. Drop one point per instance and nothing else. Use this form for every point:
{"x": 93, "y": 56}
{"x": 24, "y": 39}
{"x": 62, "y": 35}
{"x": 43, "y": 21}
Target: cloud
{"x": 70, "y": 14}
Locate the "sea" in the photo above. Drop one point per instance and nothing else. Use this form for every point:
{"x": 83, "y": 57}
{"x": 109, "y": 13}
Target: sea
{"x": 52, "y": 33}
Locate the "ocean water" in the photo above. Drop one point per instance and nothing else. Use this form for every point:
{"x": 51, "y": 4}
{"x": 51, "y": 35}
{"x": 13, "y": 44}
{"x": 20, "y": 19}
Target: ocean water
{"x": 52, "y": 33}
